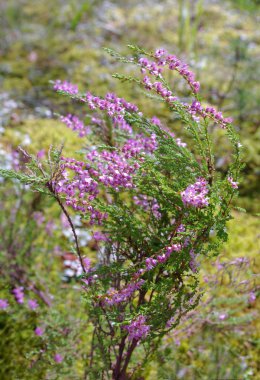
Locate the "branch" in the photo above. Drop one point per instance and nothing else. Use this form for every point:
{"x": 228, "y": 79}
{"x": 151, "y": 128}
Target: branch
{"x": 50, "y": 187}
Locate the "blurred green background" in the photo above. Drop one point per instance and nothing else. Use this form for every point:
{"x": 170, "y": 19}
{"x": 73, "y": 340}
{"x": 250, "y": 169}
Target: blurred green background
{"x": 47, "y": 40}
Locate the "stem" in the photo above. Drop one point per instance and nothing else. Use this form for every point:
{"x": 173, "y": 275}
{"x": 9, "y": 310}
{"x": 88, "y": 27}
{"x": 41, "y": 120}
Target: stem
{"x": 49, "y": 185}
{"x": 116, "y": 371}
{"x": 127, "y": 360}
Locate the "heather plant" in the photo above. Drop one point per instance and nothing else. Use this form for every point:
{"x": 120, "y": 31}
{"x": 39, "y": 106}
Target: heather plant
{"x": 155, "y": 206}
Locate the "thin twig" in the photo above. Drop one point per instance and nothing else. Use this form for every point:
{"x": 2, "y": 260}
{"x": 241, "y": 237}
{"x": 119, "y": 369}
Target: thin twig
{"x": 50, "y": 187}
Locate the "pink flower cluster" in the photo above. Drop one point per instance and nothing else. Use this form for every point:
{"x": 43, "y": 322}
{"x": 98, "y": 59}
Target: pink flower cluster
{"x": 182, "y": 68}
{"x": 197, "y": 109}
{"x": 114, "y": 297}
{"x": 157, "y": 122}
{"x": 148, "y": 204}
{"x": 114, "y": 106}
{"x": 181, "y": 228}
{"x": 138, "y": 329}
{"x": 76, "y": 189}
{"x": 110, "y": 168}
{"x": 171, "y": 321}
{"x": 233, "y": 184}
{"x": 218, "y": 116}
{"x": 3, "y": 304}
{"x": 169, "y": 250}
{"x": 173, "y": 63}
{"x": 164, "y": 92}
{"x": 64, "y": 86}
{"x": 124, "y": 126}
{"x": 150, "y": 66}
{"x": 99, "y": 236}
{"x": 152, "y": 262}
{"x": 195, "y": 194}
{"x": 33, "y": 304}
{"x": 18, "y": 294}
{"x": 139, "y": 145}
{"x": 74, "y": 123}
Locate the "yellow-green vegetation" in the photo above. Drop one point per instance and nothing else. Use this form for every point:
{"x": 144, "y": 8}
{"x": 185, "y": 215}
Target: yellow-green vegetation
{"x": 244, "y": 239}
{"x": 44, "y": 133}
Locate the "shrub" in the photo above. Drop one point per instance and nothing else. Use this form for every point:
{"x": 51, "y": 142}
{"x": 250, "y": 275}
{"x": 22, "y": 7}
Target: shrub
{"x": 154, "y": 206}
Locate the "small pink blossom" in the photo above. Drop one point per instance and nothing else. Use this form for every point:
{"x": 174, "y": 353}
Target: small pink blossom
{"x": 138, "y": 329}
{"x": 3, "y": 304}
{"x": 39, "y": 218}
{"x": 87, "y": 263}
{"x": 58, "y": 358}
{"x": 233, "y": 184}
{"x": 65, "y": 86}
{"x": 18, "y": 294}
{"x": 41, "y": 154}
{"x": 252, "y": 297}
{"x": 38, "y": 331}
{"x": 195, "y": 194}
{"x": 33, "y": 304}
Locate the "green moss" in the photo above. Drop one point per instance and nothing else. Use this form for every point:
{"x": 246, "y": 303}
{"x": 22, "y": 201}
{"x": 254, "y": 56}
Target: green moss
{"x": 243, "y": 236}
{"x": 44, "y": 132}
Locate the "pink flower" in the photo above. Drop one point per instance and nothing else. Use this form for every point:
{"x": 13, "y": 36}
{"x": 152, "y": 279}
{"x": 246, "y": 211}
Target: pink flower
{"x": 3, "y": 304}
{"x": 58, "y": 358}
{"x": 195, "y": 194}
{"x": 171, "y": 321}
{"x": 114, "y": 297}
{"x": 99, "y": 236}
{"x": 87, "y": 263}
{"x": 41, "y": 154}
{"x": 74, "y": 123}
{"x": 150, "y": 263}
{"x": 33, "y": 304}
{"x": 18, "y": 294}
{"x": 38, "y": 331}
{"x": 38, "y": 217}
{"x": 252, "y": 297}
{"x": 65, "y": 86}
{"x": 138, "y": 329}
{"x": 233, "y": 184}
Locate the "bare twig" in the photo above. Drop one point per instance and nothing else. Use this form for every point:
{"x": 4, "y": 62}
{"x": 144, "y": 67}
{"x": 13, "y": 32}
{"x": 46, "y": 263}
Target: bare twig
{"x": 52, "y": 190}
